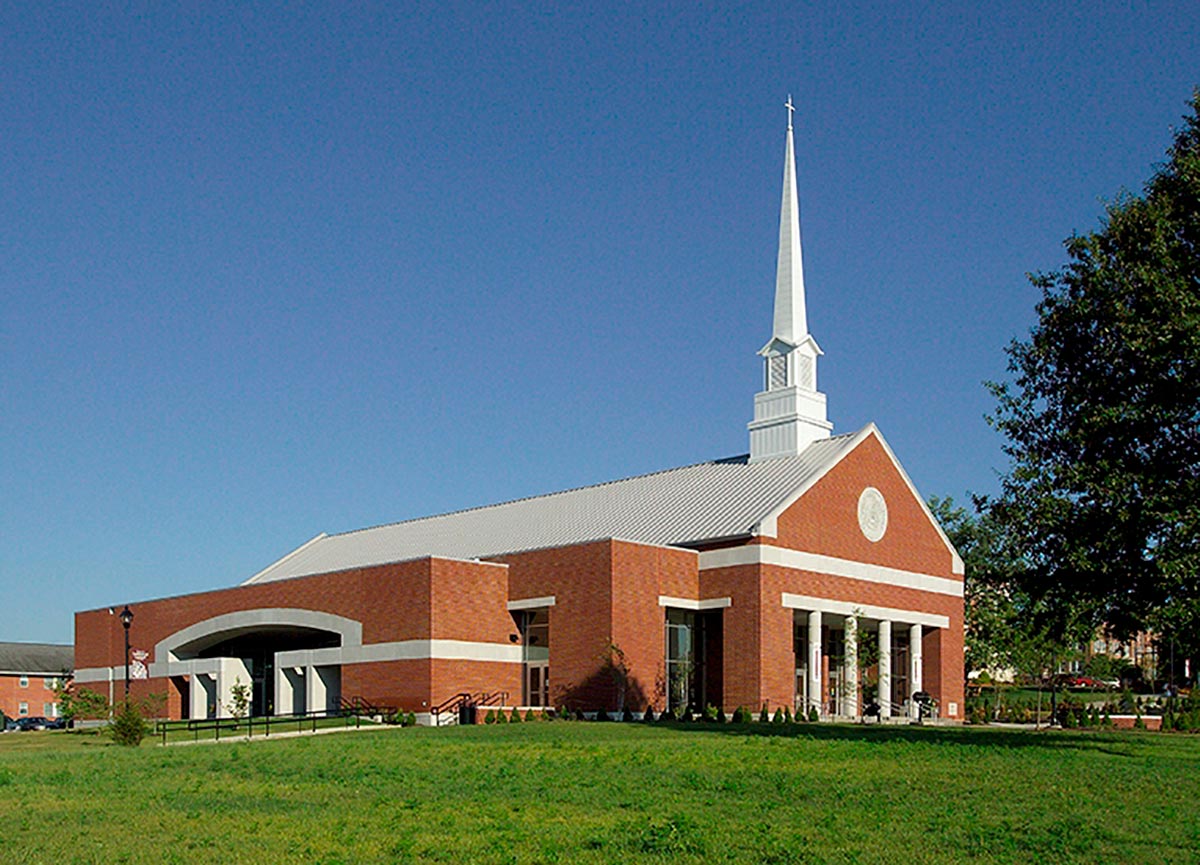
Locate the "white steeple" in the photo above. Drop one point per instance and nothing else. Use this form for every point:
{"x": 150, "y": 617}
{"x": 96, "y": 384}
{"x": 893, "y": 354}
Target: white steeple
{"x": 791, "y": 323}
{"x": 789, "y": 413}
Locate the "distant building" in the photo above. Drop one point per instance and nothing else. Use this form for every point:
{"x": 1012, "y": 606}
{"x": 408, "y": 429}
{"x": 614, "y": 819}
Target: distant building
{"x": 30, "y": 674}
{"x": 752, "y": 580}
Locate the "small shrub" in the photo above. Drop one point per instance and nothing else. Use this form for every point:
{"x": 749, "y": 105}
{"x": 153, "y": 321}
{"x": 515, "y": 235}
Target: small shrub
{"x": 813, "y": 715}
{"x": 777, "y": 718}
{"x": 490, "y": 717}
{"x": 648, "y": 715}
{"x": 687, "y": 715}
{"x": 515, "y": 717}
{"x": 529, "y": 716}
{"x": 602, "y": 715}
{"x": 787, "y": 714}
{"x": 666, "y": 716}
{"x": 128, "y": 727}
{"x": 627, "y": 715}
{"x": 411, "y": 720}
{"x": 764, "y": 716}
{"x": 721, "y": 717}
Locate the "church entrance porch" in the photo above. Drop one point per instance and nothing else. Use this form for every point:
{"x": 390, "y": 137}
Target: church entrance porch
{"x": 852, "y": 660}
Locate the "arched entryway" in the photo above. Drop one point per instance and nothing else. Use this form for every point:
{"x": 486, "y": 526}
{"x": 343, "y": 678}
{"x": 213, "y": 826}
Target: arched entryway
{"x": 289, "y": 657}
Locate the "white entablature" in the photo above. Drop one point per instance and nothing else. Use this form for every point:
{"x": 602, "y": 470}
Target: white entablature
{"x": 789, "y": 412}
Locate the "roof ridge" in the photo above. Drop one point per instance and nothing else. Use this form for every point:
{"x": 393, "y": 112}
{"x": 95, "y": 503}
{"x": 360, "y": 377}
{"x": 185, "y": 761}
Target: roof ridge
{"x": 414, "y": 520}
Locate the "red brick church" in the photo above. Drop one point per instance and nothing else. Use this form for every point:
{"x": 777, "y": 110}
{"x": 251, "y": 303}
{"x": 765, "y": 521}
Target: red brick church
{"x": 757, "y": 579}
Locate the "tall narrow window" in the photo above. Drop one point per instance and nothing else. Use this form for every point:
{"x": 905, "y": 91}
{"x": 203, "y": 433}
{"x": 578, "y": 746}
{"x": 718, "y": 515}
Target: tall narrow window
{"x": 681, "y": 658}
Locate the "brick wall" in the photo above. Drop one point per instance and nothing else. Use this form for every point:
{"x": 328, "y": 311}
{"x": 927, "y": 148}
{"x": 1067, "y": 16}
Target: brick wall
{"x": 35, "y": 694}
{"x": 825, "y": 521}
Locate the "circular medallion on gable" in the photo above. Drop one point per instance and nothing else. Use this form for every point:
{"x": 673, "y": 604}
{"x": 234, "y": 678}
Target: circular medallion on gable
{"x": 872, "y": 514}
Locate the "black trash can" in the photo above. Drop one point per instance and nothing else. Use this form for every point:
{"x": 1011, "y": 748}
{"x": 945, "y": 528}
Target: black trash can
{"x": 466, "y": 713}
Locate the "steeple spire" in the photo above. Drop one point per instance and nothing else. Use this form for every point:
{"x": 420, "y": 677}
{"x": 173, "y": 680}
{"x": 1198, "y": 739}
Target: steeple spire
{"x": 791, "y": 322}
{"x": 789, "y": 413}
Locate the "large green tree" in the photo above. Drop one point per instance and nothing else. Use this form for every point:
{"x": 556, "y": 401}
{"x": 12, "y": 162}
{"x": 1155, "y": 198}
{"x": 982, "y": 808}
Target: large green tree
{"x": 1101, "y": 501}
{"x": 1003, "y": 628}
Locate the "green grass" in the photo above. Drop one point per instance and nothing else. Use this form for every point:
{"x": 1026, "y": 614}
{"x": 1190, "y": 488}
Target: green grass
{"x": 587, "y": 792}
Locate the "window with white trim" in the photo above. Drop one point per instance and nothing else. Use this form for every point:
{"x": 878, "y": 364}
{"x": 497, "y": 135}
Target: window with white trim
{"x": 23, "y": 709}
{"x": 23, "y": 682}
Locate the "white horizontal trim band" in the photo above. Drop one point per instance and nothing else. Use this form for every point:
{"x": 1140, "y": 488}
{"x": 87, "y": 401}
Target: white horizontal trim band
{"x": 688, "y": 604}
{"x": 95, "y": 674}
{"x": 404, "y": 650}
{"x": 865, "y": 611}
{"x": 531, "y": 603}
{"x": 763, "y": 554}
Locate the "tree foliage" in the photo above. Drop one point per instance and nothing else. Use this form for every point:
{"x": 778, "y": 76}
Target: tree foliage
{"x": 76, "y": 703}
{"x": 1004, "y": 630}
{"x": 1101, "y": 501}
{"x": 128, "y": 727}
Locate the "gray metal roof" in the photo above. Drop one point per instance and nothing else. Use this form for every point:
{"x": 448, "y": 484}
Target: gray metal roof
{"x": 683, "y": 506}
{"x": 48, "y": 659}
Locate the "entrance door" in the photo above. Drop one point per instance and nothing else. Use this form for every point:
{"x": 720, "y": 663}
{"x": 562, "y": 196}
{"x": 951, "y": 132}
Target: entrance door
{"x": 537, "y": 683}
{"x": 535, "y": 641}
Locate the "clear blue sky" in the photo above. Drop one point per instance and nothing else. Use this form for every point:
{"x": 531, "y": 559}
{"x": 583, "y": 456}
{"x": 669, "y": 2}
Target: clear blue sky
{"x": 269, "y": 272}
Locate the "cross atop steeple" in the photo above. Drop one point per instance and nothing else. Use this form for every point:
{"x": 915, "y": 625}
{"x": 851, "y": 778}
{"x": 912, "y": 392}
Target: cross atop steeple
{"x": 791, "y": 109}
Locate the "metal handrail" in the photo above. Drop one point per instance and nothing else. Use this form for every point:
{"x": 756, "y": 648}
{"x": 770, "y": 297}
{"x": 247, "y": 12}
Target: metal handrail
{"x": 263, "y": 722}
{"x": 455, "y": 703}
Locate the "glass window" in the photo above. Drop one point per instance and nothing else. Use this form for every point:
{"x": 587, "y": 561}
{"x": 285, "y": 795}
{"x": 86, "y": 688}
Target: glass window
{"x": 50, "y": 710}
{"x": 681, "y": 658}
{"x": 23, "y": 709}
{"x": 535, "y": 634}
{"x": 24, "y": 683}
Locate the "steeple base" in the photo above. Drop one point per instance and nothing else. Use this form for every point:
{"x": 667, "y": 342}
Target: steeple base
{"x": 786, "y": 421}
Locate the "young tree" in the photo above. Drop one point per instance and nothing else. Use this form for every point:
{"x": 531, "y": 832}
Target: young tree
{"x": 76, "y": 703}
{"x": 1101, "y": 501}
{"x": 240, "y": 693}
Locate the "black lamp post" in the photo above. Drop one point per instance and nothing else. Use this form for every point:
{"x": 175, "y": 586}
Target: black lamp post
{"x": 126, "y": 620}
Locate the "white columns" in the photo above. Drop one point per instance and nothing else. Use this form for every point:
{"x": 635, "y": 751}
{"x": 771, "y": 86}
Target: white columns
{"x": 884, "y": 697}
{"x": 291, "y": 690}
{"x": 914, "y": 666}
{"x": 850, "y": 672}
{"x": 814, "y": 661}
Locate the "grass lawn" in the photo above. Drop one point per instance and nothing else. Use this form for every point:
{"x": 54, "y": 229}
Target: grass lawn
{"x": 588, "y": 792}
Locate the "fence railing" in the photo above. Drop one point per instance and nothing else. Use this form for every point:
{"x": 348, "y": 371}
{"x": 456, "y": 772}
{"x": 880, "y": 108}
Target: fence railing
{"x": 263, "y": 725}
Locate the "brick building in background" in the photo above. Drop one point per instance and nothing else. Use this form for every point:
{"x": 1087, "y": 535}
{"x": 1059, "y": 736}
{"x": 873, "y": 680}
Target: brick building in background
{"x": 30, "y": 674}
{"x": 752, "y": 580}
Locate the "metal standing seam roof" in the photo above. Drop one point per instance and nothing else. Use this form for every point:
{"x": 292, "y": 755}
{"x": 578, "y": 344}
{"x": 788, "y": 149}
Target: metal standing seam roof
{"x": 50, "y": 659}
{"x": 706, "y": 501}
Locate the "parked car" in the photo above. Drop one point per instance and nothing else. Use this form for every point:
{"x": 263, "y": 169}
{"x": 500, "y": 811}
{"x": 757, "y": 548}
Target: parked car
{"x": 33, "y": 722}
{"x": 9, "y": 724}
